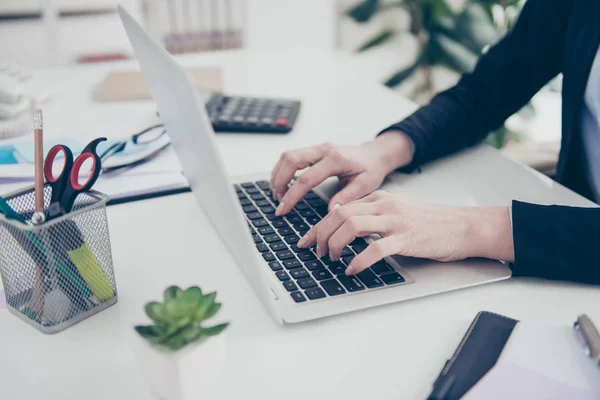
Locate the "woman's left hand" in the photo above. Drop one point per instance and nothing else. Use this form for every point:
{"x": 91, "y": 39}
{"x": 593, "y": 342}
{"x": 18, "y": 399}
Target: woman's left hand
{"x": 412, "y": 228}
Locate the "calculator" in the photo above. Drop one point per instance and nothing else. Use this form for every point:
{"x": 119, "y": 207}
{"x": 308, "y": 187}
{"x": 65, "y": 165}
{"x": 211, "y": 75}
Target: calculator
{"x": 251, "y": 114}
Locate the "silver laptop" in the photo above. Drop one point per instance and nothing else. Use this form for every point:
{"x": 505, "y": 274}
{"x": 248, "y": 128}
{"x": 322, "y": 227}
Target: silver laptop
{"x": 293, "y": 284}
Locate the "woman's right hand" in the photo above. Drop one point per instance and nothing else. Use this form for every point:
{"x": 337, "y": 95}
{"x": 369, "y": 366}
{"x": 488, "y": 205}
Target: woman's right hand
{"x": 361, "y": 169}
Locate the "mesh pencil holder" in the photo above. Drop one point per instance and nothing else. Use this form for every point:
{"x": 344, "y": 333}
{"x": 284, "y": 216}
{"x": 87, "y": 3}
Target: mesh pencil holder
{"x": 61, "y": 272}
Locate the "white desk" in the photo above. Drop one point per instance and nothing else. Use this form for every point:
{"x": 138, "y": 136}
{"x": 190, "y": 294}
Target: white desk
{"x": 394, "y": 351}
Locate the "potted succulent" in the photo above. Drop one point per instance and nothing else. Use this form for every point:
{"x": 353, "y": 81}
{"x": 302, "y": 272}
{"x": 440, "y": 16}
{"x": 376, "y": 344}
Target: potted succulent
{"x": 178, "y": 356}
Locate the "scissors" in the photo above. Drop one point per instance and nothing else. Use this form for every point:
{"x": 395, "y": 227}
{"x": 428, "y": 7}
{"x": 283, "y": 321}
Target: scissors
{"x": 66, "y": 186}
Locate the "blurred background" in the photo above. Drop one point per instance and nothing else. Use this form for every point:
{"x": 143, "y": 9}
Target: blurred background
{"x": 415, "y": 47}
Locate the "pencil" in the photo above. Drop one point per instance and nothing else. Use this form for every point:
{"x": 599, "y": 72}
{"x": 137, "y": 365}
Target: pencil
{"x": 38, "y": 140}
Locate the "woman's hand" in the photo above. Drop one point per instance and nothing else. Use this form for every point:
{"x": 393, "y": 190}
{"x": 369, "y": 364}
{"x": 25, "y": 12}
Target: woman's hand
{"x": 361, "y": 169}
{"x": 413, "y": 228}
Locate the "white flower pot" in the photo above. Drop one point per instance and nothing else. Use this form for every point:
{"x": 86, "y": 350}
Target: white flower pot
{"x": 193, "y": 372}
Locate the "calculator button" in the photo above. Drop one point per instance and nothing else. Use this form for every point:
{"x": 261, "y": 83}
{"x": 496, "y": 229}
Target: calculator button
{"x": 252, "y": 120}
{"x": 281, "y": 122}
{"x": 267, "y": 121}
{"x": 239, "y": 119}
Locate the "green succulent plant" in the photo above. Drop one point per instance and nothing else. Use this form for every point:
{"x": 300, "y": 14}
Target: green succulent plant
{"x": 178, "y": 320}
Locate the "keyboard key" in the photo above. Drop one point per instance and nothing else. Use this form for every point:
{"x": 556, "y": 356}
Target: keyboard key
{"x": 285, "y": 255}
{"x": 301, "y": 226}
{"x": 237, "y": 188}
{"x": 268, "y": 193}
{"x": 347, "y": 260}
{"x": 298, "y": 297}
{"x": 381, "y": 267}
{"x": 282, "y": 275}
{"x": 358, "y": 248}
{"x": 267, "y": 209}
{"x": 272, "y": 238}
{"x": 307, "y": 213}
{"x": 245, "y": 202}
{"x": 307, "y": 256}
{"x": 351, "y": 283}
{"x": 280, "y": 224}
{"x": 275, "y": 266}
{"x": 262, "y": 247}
{"x": 257, "y": 196}
{"x": 259, "y": 222}
{"x": 303, "y": 232}
{"x": 247, "y": 185}
{"x": 301, "y": 206}
{"x": 265, "y": 230}
{"x": 241, "y": 196}
{"x": 369, "y": 278}
{"x": 299, "y": 273}
{"x": 311, "y": 195}
{"x": 254, "y": 215}
{"x": 322, "y": 211}
{"x": 332, "y": 287}
{"x": 252, "y": 190}
{"x": 256, "y": 239}
{"x": 291, "y": 239}
{"x": 268, "y": 256}
{"x": 317, "y": 203}
{"x": 272, "y": 217}
{"x": 314, "y": 265}
{"x": 314, "y": 293}
{"x": 347, "y": 252}
{"x": 290, "y": 286}
{"x": 278, "y": 246}
{"x": 313, "y": 220}
{"x": 286, "y": 231}
{"x": 306, "y": 283}
{"x": 264, "y": 185}
{"x": 358, "y": 241}
{"x": 337, "y": 268}
{"x": 392, "y": 278}
{"x": 291, "y": 264}
{"x": 297, "y": 249}
{"x": 295, "y": 219}
{"x": 322, "y": 274}
{"x": 263, "y": 203}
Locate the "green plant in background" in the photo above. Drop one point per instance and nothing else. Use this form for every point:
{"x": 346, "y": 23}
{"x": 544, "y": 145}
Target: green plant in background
{"x": 450, "y": 37}
{"x": 178, "y": 320}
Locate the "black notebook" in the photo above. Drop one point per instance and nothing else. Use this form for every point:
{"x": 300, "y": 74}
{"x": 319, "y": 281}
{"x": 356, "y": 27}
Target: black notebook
{"x": 476, "y": 354}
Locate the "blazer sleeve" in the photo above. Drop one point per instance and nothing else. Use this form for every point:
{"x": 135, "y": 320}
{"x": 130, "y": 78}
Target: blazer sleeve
{"x": 504, "y": 80}
{"x": 556, "y": 242}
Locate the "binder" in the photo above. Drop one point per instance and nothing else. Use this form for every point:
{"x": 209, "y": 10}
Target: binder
{"x": 502, "y": 358}
{"x": 476, "y": 354}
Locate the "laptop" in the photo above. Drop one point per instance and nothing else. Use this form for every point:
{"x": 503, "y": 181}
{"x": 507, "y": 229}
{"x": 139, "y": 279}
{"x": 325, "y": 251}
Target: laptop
{"x": 292, "y": 284}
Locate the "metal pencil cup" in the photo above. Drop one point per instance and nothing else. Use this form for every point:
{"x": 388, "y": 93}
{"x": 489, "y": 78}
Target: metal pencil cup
{"x": 61, "y": 272}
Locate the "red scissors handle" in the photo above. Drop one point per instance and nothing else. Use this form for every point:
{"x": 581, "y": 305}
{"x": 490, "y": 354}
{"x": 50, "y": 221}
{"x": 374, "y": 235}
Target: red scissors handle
{"x": 66, "y": 186}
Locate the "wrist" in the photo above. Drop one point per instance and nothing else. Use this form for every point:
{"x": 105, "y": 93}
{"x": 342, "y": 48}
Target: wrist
{"x": 490, "y": 234}
{"x": 395, "y": 150}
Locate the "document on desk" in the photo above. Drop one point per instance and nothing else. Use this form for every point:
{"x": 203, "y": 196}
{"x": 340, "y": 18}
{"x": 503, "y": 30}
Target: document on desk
{"x": 540, "y": 362}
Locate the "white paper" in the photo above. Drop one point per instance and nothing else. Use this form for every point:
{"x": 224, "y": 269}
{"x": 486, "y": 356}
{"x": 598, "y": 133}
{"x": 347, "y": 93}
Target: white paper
{"x": 540, "y": 361}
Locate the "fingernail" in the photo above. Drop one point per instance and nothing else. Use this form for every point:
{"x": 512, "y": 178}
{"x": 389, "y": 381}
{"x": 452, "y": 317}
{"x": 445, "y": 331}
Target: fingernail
{"x": 331, "y": 257}
{"x": 350, "y": 270}
{"x": 336, "y": 205}
{"x": 302, "y": 241}
{"x": 274, "y": 195}
{"x": 279, "y": 210}
{"x": 319, "y": 251}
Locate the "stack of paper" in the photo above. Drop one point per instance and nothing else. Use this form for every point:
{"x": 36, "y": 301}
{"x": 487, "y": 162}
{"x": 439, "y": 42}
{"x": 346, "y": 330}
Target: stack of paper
{"x": 540, "y": 362}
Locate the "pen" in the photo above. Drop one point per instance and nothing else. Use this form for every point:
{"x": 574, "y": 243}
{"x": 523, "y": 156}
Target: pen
{"x": 589, "y": 337}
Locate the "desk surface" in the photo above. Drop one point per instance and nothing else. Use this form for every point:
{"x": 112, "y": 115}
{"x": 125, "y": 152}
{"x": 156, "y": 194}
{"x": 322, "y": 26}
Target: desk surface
{"x": 395, "y": 351}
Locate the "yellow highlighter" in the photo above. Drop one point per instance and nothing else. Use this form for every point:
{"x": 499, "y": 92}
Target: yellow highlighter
{"x": 91, "y": 272}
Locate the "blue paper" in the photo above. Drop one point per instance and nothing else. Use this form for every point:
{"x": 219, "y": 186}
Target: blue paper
{"x": 7, "y": 155}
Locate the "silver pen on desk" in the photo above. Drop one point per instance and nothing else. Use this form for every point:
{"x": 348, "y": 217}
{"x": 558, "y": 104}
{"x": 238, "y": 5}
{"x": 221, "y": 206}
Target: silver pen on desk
{"x": 589, "y": 337}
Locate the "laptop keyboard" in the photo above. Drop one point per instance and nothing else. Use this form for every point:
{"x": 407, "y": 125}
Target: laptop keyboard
{"x": 300, "y": 271}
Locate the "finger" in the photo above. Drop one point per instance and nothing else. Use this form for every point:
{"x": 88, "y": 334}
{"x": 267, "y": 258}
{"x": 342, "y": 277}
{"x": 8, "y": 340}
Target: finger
{"x": 310, "y": 238}
{"x": 305, "y": 182}
{"x": 373, "y": 197}
{"x": 357, "y": 226}
{"x": 354, "y": 190}
{"x": 336, "y": 218}
{"x": 292, "y": 161}
{"x": 374, "y": 252}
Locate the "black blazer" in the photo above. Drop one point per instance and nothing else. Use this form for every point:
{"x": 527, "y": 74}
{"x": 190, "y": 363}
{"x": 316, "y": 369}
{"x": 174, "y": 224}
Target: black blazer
{"x": 550, "y": 37}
